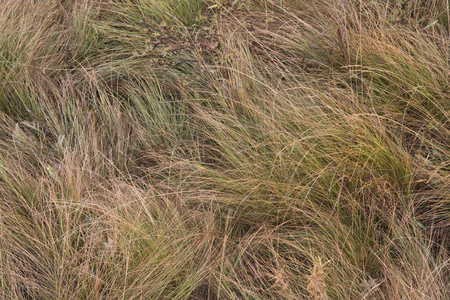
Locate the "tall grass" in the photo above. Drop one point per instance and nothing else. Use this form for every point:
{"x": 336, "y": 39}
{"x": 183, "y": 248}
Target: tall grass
{"x": 224, "y": 149}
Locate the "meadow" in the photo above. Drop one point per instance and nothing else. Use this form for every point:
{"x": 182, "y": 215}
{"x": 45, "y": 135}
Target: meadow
{"x": 219, "y": 149}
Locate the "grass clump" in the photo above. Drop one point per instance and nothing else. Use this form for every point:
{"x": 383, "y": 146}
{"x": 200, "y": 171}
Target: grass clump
{"x": 224, "y": 150}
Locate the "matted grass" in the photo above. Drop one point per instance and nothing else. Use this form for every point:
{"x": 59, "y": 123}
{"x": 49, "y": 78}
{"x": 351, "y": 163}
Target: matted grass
{"x": 224, "y": 149}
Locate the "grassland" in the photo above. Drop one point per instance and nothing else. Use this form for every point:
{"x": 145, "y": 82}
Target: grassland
{"x": 253, "y": 149}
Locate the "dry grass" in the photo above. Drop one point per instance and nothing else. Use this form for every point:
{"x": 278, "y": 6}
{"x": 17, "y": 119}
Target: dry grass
{"x": 224, "y": 149}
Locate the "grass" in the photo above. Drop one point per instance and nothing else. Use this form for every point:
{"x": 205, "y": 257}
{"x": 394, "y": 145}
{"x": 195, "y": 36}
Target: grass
{"x": 224, "y": 149}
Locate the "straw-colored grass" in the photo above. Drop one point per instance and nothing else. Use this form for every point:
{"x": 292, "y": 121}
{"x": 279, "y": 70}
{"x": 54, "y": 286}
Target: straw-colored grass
{"x": 214, "y": 149}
